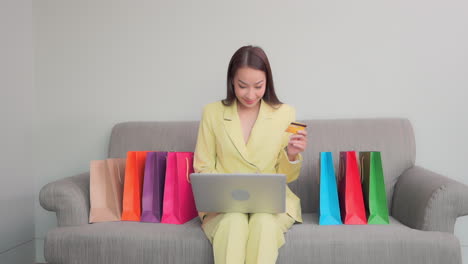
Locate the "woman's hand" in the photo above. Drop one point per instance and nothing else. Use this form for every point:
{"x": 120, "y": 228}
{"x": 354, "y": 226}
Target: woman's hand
{"x": 297, "y": 144}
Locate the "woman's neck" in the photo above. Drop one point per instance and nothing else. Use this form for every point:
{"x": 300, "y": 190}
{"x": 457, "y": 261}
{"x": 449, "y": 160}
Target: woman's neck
{"x": 248, "y": 110}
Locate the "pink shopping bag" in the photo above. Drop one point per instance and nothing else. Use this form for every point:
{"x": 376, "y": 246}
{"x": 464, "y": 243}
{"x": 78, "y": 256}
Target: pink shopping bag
{"x": 178, "y": 203}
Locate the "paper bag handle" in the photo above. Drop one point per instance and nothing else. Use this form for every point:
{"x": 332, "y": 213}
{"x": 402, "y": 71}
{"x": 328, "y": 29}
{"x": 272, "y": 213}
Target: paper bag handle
{"x": 118, "y": 172}
{"x": 362, "y": 167}
{"x": 109, "y": 164}
{"x": 187, "y": 171}
{"x": 342, "y": 169}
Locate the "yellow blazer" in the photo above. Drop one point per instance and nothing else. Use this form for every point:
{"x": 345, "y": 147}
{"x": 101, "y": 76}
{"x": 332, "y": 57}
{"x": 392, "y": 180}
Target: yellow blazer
{"x": 221, "y": 147}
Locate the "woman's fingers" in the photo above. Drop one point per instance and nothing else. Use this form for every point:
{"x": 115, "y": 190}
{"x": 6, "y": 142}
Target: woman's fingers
{"x": 299, "y": 145}
{"x": 298, "y": 141}
{"x": 298, "y": 137}
{"x": 302, "y": 132}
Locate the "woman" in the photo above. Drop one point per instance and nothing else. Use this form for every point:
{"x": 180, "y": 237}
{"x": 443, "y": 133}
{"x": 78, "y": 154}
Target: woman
{"x": 245, "y": 133}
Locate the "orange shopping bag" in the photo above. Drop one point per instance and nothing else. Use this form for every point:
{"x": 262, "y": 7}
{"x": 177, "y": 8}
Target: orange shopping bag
{"x": 133, "y": 185}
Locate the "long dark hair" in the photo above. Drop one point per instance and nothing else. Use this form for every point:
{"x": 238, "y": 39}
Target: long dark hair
{"x": 252, "y": 57}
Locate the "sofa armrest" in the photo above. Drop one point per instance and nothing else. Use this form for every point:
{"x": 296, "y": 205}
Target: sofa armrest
{"x": 68, "y": 198}
{"x": 428, "y": 201}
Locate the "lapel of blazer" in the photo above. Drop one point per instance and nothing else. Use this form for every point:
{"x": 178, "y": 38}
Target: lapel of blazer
{"x": 234, "y": 130}
{"x": 262, "y": 124}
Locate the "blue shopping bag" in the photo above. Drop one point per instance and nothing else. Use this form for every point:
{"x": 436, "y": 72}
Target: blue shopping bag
{"x": 329, "y": 209}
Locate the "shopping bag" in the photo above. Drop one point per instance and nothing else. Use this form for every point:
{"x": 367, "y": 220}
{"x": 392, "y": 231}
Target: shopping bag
{"x": 105, "y": 189}
{"x": 373, "y": 184}
{"x": 178, "y": 203}
{"x": 350, "y": 190}
{"x": 153, "y": 187}
{"x": 133, "y": 185}
{"x": 329, "y": 209}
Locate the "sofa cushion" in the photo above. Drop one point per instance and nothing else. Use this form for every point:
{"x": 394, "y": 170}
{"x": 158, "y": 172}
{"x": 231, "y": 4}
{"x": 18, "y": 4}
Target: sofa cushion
{"x": 394, "y": 243}
{"x": 128, "y": 242}
{"x": 134, "y": 242}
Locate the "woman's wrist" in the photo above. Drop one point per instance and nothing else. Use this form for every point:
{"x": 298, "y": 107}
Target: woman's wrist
{"x": 290, "y": 156}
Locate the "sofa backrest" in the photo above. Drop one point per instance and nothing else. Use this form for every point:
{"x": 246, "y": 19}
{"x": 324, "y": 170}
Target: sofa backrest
{"x": 393, "y": 137}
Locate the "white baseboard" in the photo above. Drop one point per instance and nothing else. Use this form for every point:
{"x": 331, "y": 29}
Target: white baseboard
{"x": 39, "y": 243}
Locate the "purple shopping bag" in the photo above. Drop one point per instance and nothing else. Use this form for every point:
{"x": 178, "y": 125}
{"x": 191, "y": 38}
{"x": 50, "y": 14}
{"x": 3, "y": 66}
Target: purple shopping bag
{"x": 153, "y": 187}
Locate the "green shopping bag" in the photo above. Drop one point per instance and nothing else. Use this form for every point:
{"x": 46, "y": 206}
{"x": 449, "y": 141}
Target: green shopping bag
{"x": 375, "y": 195}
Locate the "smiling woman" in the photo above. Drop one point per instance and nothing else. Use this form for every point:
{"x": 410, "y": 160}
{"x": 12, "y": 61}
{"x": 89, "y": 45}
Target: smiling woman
{"x": 245, "y": 133}
{"x": 249, "y": 67}
{"x": 248, "y": 90}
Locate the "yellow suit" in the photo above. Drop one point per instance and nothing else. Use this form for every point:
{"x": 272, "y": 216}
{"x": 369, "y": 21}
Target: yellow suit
{"x": 221, "y": 148}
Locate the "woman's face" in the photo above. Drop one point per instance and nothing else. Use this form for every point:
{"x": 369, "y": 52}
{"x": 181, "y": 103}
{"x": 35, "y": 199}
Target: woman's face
{"x": 249, "y": 86}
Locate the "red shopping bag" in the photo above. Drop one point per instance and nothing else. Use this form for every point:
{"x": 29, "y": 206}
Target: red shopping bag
{"x": 134, "y": 171}
{"x": 352, "y": 207}
{"x": 178, "y": 203}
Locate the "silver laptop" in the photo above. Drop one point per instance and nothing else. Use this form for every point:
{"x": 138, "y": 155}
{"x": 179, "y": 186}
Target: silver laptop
{"x": 243, "y": 193}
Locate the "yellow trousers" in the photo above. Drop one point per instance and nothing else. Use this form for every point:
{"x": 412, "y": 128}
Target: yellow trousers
{"x": 246, "y": 238}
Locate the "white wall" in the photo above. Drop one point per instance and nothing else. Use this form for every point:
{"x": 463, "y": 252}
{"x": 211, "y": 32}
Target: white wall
{"x": 16, "y": 119}
{"x": 102, "y": 62}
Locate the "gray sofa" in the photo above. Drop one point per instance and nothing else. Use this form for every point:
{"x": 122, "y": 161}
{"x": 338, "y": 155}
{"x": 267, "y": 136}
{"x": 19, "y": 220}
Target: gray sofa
{"x": 423, "y": 205}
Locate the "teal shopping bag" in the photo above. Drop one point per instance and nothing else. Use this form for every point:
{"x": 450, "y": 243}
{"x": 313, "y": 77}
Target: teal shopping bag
{"x": 329, "y": 209}
{"x": 373, "y": 183}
